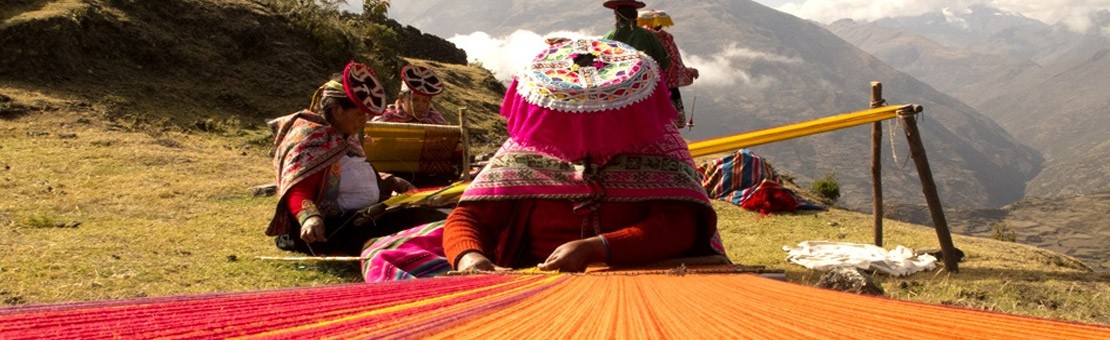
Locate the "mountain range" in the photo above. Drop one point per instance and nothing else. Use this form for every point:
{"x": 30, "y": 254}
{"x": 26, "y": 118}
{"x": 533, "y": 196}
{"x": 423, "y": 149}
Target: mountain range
{"x": 1048, "y": 86}
{"x": 773, "y": 69}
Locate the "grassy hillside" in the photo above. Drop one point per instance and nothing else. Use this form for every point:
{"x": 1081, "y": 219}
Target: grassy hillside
{"x": 195, "y": 64}
{"x": 98, "y": 210}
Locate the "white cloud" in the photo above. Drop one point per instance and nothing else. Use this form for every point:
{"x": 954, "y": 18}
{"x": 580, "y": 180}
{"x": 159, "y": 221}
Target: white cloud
{"x": 504, "y": 56}
{"x": 1076, "y": 14}
{"x": 721, "y": 69}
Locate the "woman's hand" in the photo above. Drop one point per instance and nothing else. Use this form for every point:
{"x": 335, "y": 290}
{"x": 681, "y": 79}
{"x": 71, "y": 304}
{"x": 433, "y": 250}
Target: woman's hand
{"x": 476, "y": 261}
{"x": 574, "y": 256}
{"x": 399, "y": 185}
{"x": 313, "y": 230}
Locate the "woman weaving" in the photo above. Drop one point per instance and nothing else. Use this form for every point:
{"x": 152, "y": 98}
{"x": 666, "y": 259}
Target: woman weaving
{"x": 323, "y": 178}
{"x": 594, "y": 171}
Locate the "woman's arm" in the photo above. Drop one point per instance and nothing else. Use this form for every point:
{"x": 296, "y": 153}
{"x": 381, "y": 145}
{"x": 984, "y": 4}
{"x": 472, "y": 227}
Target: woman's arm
{"x": 474, "y": 227}
{"x": 669, "y": 230}
{"x": 300, "y": 200}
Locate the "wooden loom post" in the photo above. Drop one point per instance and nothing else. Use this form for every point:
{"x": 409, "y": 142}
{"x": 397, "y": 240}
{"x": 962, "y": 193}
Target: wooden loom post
{"x": 877, "y": 164}
{"x": 465, "y": 139}
{"x": 917, "y": 151}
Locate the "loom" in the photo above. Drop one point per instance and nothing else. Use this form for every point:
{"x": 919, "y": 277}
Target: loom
{"x": 692, "y": 303}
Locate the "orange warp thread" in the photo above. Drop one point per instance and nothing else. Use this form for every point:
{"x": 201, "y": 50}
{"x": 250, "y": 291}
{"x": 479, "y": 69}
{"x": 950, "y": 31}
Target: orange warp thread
{"x": 632, "y": 305}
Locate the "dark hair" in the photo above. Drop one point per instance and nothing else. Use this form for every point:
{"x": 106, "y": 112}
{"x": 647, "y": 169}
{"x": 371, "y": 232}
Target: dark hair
{"x": 626, "y": 15}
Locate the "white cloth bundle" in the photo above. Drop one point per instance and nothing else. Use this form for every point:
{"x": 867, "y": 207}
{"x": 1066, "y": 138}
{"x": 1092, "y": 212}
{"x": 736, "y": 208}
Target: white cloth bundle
{"x": 822, "y": 255}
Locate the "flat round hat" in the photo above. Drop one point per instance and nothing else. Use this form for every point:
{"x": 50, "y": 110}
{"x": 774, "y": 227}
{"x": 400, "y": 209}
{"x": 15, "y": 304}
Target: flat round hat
{"x": 655, "y": 18}
{"x": 421, "y": 80}
{"x": 363, "y": 87}
{"x": 588, "y": 98}
{"x": 617, "y": 3}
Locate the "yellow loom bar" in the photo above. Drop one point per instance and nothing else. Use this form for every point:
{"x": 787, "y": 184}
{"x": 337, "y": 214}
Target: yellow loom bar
{"x": 722, "y": 144}
{"x": 780, "y": 133}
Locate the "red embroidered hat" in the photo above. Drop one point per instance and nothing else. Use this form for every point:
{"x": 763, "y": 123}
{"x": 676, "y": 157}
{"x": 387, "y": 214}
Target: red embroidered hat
{"x": 421, "y": 80}
{"x": 618, "y": 3}
{"x": 362, "y": 86}
{"x": 359, "y": 84}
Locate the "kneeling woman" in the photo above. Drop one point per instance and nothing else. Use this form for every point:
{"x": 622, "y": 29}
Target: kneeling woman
{"x": 323, "y": 177}
{"x": 593, "y": 171}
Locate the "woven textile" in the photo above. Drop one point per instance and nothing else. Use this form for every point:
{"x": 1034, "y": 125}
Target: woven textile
{"x": 394, "y": 114}
{"x": 745, "y": 179}
{"x": 409, "y": 254}
{"x": 662, "y": 171}
{"x": 420, "y": 148}
{"x": 676, "y": 74}
{"x": 648, "y": 305}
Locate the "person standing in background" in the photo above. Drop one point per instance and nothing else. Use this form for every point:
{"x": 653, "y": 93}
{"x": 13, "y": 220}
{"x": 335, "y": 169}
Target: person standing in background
{"x": 677, "y": 74}
{"x": 626, "y": 31}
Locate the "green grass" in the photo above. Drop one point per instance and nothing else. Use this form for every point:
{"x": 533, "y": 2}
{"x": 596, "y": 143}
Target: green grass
{"x": 166, "y": 218}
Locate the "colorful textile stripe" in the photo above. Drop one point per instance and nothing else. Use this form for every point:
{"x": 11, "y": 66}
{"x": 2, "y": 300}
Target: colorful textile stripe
{"x": 745, "y": 179}
{"x": 409, "y": 254}
{"x": 517, "y": 171}
{"x": 729, "y": 178}
{"x": 595, "y": 305}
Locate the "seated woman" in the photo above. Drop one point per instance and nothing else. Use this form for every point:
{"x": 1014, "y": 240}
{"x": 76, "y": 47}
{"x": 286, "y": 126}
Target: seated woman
{"x": 594, "y": 171}
{"x": 414, "y": 103}
{"x": 323, "y": 178}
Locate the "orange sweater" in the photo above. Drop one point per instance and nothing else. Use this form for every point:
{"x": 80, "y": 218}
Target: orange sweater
{"x": 522, "y": 233}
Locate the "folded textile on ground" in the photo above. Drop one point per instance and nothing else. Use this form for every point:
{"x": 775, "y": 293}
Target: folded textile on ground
{"x": 745, "y": 179}
{"x": 821, "y": 255}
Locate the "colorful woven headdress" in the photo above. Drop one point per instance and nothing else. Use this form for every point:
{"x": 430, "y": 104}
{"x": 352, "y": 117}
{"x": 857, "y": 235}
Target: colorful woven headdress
{"x": 588, "y": 98}
{"x": 421, "y": 80}
{"x": 359, "y": 84}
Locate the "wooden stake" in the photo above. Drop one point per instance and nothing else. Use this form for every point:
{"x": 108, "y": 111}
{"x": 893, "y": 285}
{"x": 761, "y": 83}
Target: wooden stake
{"x": 928, "y": 187}
{"x": 465, "y": 139}
{"x": 877, "y": 164}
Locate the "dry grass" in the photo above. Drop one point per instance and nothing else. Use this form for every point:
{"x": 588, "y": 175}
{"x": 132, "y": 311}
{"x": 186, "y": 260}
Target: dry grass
{"x": 160, "y": 213}
{"x": 53, "y": 9}
{"x": 995, "y": 275}
{"x": 166, "y": 213}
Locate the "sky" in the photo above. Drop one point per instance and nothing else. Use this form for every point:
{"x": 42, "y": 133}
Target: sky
{"x": 1073, "y": 13}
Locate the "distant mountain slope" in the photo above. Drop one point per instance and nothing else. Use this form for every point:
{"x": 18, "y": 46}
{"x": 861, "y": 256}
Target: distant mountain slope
{"x": 960, "y": 73}
{"x": 765, "y": 68}
{"x": 987, "y": 30}
{"x": 1064, "y": 111}
{"x": 1059, "y": 109}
